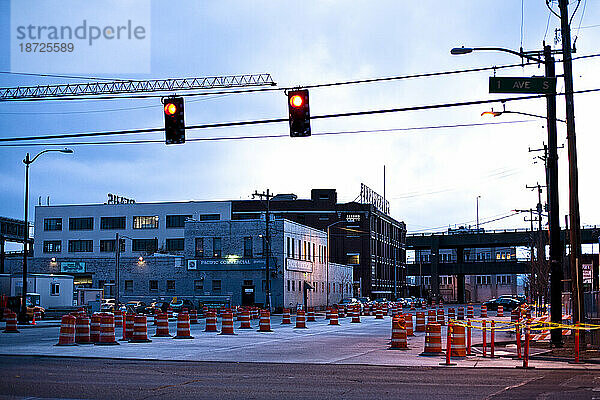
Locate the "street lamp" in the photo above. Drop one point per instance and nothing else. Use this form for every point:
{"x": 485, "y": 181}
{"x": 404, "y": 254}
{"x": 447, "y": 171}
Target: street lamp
{"x": 552, "y": 177}
{"x": 28, "y": 161}
{"x": 505, "y": 111}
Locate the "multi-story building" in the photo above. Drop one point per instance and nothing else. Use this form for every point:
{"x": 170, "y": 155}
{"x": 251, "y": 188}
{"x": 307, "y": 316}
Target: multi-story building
{"x": 360, "y": 235}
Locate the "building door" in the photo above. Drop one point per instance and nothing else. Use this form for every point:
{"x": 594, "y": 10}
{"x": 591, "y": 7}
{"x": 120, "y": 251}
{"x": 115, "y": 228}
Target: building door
{"x": 247, "y": 295}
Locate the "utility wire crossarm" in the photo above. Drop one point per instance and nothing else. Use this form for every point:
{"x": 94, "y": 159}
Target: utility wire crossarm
{"x": 133, "y": 86}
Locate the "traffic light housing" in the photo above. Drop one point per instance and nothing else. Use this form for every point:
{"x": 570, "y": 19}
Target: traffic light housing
{"x": 299, "y": 113}
{"x": 174, "y": 120}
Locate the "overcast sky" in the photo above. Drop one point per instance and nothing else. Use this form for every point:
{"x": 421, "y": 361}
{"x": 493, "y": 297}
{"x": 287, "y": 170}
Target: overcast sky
{"x": 433, "y": 176}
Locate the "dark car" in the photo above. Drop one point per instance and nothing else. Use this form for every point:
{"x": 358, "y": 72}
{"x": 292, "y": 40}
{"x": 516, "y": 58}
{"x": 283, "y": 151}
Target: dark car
{"x": 509, "y": 304}
{"x": 138, "y": 307}
{"x": 181, "y": 304}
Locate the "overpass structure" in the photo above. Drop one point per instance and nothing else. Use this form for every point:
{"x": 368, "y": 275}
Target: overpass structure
{"x": 459, "y": 241}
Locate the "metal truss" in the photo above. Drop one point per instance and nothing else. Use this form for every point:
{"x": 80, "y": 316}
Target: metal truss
{"x": 131, "y": 86}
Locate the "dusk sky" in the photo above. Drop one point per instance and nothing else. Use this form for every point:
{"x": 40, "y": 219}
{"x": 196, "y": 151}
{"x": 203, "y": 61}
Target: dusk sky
{"x": 433, "y": 176}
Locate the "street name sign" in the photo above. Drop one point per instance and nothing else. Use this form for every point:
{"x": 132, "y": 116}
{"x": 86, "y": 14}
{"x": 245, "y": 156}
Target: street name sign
{"x": 536, "y": 85}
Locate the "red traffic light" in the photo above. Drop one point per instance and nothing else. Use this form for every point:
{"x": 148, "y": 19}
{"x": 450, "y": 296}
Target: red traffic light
{"x": 296, "y": 100}
{"x": 170, "y": 109}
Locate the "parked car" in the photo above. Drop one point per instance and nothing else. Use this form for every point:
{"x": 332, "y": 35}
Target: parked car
{"x": 351, "y": 302}
{"x": 364, "y": 300}
{"x": 181, "y": 304}
{"x": 509, "y": 304}
{"x": 381, "y": 300}
{"x": 163, "y": 306}
{"x": 520, "y": 298}
{"x": 138, "y": 307}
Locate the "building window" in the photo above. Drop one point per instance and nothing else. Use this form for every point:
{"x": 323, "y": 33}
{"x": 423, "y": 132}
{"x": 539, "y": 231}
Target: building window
{"x": 177, "y": 221}
{"x": 52, "y": 246}
{"x": 353, "y": 258}
{"x": 198, "y": 285}
{"x": 112, "y": 223}
{"x": 54, "y": 289}
{"x": 248, "y": 282}
{"x": 216, "y": 285}
{"x": 199, "y": 245}
{"x": 170, "y": 286}
{"x": 128, "y": 285}
{"x": 248, "y": 247}
{"x": 81, "y": 224}
{"x": 154, "y": 286}
{"x": 210, "y": 217}
{"x": 293, "y": 286}
{"x": 108, "y": 246}
{"x": 53, "y": 224}
{"x": 299, "y": 286}
{"x": 145, "y": 222}
{"x": 81, "y": 246}
{"x": 174, "y": 244}
{"x": 314, "y": 253}
{"x": 147, "y": 245}
{"x": 288, "y": 249}
{"x": 288, "y": 285}
{"x": 293, "y": 248}
{"x": 217, "y": 247}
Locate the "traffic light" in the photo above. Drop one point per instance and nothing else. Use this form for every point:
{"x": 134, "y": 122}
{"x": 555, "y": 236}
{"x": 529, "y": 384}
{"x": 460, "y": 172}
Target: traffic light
{"x": 299, "y": 113}
{"x": 174, "y": 121}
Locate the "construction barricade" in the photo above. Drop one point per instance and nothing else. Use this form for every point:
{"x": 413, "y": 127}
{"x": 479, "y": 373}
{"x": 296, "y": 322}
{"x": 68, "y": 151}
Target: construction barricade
{"x": 431, "y": 317}
{"x": 310, "y": 315}
{"x": 300, "y": 320}
{"x": 470, "y": 312}
{"x": 211, "y": 322}
{"x": 183, "y": 326}
{"x": 66, "y": 337}
{"x": 162, "y": 325}
{"x": 107, "y": 330}
{"x": 420, "y": 322}
{"x": 193, "y": 317}
{"x": 286, "y": 319}
{"x": 11, "y": 323}
{"x": 500, "y": 312}
{"x": 458, "y": 348}
{"x": 333, "y": 318}
{"x": 82, "y": 330}
{"x": 227, "y": 324}
{"x": 95, "y": 328}
{"x": 440, "y": 316}
{"x": 408, "y": 324}
{"x": 461, "y": 313}
{"x": 140, "y": 330}
{"x": 244, "y": 318}
{"x": 265, "y": 321}
{"x": 433, "y": 340}
{"x": 355, "y": 315}
{"x": 399, "y": 340}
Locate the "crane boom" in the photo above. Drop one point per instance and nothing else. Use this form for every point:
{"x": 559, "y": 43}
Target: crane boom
{"x": 133, "y": 86}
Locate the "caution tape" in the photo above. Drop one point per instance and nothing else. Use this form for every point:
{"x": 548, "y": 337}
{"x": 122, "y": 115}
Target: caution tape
{"x": 511, "y": 326}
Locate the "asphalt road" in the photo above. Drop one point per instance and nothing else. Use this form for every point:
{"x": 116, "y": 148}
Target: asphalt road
{"x": 73, "y": 378}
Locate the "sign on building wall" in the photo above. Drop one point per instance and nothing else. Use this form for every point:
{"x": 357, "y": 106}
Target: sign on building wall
{"x": 72, "y": 267}
{"x": 298, "y": 265}
{"x": 369, "y": 196}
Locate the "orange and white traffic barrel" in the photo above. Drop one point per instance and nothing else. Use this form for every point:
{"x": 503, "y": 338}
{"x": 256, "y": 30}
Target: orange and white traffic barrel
{"x": 118, "y": 318}
{"x": 286, "y": 319}
{"x": 107, "y": 330}
{"x": 500, "y": 312}
{"x": 183, "y": 326}
{"x": 514, "y": 315}
{"x": 420, "y": 322}
{"x": 341, "y": 312}
{"x": 458, "y": 347}
{"x": 129, "y": 326}
{"x": 82, "y": 330}
{"x": 461, "y": 314}
{"x": 412, "y": 306}
{"x": 378, "y": 313}
{"x": 37, "y": 315}
{"x": 66, "y": 336}
{"x": 95, "y": 328}
{"x": 399, "y": 341}
{"x": 408, "y": 324}
{"x": 433, "y": 340}
{"x": 333, "y": 320}
{"x": 470, "y": 312}
{"x": 170, "y": 313}
{"x": 244, "y": 318}
{"x": 162, "y": 325}
{"x": 483, "y": 311}
{"x": 431, "y": 317}
{"x": 355, "y": 315}
{"x": 11, "y": 322}
{"x": 211, "y": 322}
{"x": 193, "y": 317}
{"x": 255, "y": 313}
{"x": 140, "y": 330}
{"x": 451, "y": 314}
{"x": 310, "y": 315}
{"x": 328, "y": 313}
{"x": 300, "y": 320}
{"x": 440, "y": 317}
{"x": 265, "y": 321}
{"x": 227, "y": 324}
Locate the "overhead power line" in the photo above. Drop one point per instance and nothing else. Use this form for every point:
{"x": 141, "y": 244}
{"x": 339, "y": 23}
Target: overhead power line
{"x": 285, "y": 135}
{"x": 279, "y": 120}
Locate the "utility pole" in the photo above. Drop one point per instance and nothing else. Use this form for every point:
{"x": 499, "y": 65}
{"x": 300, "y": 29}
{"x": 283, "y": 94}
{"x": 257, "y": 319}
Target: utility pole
{"x": 117, "y": 256}
{"x": 268, "y": 197}
{"x": 574, "y": 232}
